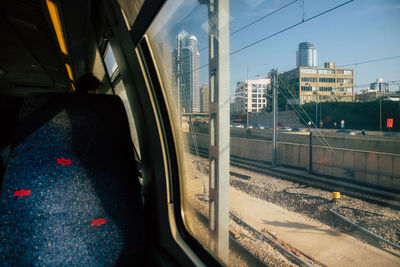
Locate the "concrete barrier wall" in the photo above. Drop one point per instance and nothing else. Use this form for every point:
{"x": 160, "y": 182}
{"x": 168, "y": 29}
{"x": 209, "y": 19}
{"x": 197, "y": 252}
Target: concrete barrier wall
{"x": 358, "y": 142}
{"x": 382, "y": 169}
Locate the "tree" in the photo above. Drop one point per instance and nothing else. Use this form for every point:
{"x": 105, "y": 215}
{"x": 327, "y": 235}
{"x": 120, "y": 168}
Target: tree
{"x": 288, "y": 88}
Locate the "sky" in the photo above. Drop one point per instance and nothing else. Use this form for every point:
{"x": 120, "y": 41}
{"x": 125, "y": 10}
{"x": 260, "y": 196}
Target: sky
{"x": 360, "y": 31}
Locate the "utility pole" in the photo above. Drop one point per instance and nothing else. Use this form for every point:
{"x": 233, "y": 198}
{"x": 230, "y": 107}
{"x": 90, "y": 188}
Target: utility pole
{"x": 316, "y": 112}
{"x": 247, "y": 97}
{"x": 275, "y": 117}
{"x": 380, "y": 116}
{"x": 320, "y": 114}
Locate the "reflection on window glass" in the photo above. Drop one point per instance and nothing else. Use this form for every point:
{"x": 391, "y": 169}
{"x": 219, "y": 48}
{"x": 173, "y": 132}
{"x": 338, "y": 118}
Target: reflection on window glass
{"x": 121, "y": 92}
{"x": 314, "y": 127}
{"x": 119, "y": 89}
{"x": 111, "y": 63}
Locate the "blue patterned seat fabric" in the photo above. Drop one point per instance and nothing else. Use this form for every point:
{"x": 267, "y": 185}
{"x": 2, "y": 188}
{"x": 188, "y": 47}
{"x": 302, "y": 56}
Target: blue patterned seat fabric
{"x": 70, "y": 193}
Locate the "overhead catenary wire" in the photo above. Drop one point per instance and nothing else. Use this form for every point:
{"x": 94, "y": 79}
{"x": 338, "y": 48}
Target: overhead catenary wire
{"x": 322, "y": 138}
{"x": 263, "y": 17}
{"x": 290, "y": 27}
{"x": 281, "y": 31}
{"x": 367, "y": 84}
{"x": 257, "y": 20}
{"x": 369, "y": 61}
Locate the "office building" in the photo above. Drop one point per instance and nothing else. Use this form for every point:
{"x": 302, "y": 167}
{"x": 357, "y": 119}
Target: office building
{"x": 187, "y": 74}
{"x": 251, "y": 95}
{"x": 317, "y": 84}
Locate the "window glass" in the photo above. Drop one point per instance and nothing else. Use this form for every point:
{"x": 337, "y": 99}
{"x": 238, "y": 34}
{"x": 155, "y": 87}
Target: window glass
{"x": 130, "y": 10}
{"x": 119, "y": 89}
{"x": 308, "y": 70}
{"x": 297, "y": 181}
{"x": 324, "y": 71}
{"x": 111, "y": 63}
{"x": 121, "y": 92}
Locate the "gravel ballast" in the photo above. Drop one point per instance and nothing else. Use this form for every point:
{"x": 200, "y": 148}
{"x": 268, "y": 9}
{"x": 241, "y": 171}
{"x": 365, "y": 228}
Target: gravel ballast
{"x": 312, "y": 202}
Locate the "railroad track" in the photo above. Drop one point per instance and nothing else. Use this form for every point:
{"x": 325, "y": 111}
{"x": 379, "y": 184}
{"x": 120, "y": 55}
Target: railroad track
{"x": 234, "y": 245}
{"x": 286, "y": 250}
{"x": 378, "y": 196}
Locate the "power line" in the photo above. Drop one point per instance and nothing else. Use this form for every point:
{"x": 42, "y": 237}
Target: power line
{"x": 367, "y": 84}
{"x": 321, "y": 137}
{"x": 257, "y": 20}
{"x": 263, "y": 17}
{"x": 369, "y": 61}
{"x": 290, "y": 27}
{"x": 297, "y": 24}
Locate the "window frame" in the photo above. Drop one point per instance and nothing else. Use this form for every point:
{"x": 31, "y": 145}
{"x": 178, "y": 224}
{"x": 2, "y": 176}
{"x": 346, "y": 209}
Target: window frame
{"x": 171, "y": 155}
{"x": 168, "y": 234}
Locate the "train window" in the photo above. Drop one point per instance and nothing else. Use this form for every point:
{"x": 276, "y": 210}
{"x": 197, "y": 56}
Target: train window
{"x": 119, "y": 89}
{"x": 111, "y": 63}
{"x": 182, "y": 83}
{"x": 121, "y": 92}
{"x": 130, "y": 10}
{"x": 314, "y": 175}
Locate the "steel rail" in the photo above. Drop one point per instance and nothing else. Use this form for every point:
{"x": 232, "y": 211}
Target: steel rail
{"x": 365, "y": 230}
{"x": 363, "y": 192}
{"x": 269, "y": 240}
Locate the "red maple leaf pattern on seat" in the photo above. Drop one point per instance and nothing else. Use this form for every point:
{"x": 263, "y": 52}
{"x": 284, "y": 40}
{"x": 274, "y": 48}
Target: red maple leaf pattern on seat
{"x": 98, "y": 222}
{"x": 22, "y": 192}
{"x": 64, "y": 161}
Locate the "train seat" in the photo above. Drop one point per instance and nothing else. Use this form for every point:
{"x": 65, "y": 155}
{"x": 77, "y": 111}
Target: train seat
{"x": 71, "y": 194}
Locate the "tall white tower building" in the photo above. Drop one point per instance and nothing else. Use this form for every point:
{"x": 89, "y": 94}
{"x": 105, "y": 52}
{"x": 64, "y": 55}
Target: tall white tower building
{"x": 187, "y": 63}
{"x": 307, "y": 55}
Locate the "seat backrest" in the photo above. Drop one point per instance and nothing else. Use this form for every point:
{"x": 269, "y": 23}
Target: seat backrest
{"x": 71, "y": 180}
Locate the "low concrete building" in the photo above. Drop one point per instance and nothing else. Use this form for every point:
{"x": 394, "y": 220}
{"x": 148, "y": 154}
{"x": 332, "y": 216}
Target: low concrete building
{"x": 316, "y": 84}
{"x": 380, "y": 86}
{"x": 368, "y": 95}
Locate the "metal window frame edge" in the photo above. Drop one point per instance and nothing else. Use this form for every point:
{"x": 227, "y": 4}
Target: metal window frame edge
{"x": 173, "y": 170}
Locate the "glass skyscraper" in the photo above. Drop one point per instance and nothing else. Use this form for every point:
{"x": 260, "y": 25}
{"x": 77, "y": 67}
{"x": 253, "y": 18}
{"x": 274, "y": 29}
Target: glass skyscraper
{"x": 187, "y": 63}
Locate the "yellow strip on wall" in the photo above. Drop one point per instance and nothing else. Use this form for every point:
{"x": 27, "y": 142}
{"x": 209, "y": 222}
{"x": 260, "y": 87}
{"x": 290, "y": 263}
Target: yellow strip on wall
{"x": 55, "y": 18}
{"x": 69, "y": 70}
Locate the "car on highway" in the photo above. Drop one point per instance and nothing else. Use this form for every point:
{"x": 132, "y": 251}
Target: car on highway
{"x": 285, "y": 129}
{"x": 237, "y": 125}
{"x": 299, "y": 130}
